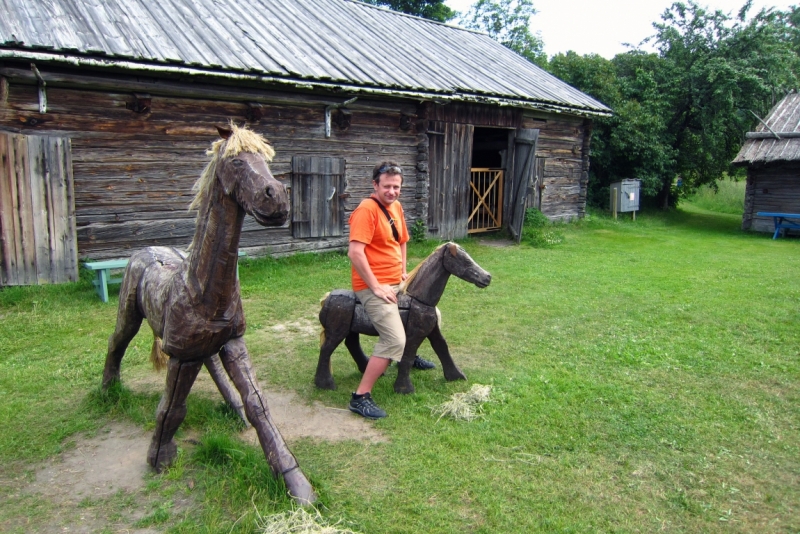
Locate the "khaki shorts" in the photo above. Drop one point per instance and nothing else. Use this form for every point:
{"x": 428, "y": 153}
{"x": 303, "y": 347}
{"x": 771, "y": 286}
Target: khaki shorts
{"x": 385, "y": 318}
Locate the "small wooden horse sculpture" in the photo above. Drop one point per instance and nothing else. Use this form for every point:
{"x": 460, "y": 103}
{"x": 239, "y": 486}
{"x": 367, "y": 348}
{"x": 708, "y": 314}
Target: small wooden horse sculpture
{"x": 343, "y": 317}
{"x": 193, "y": 305}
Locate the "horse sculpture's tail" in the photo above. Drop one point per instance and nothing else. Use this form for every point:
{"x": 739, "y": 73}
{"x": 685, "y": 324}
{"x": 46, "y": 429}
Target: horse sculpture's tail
{"x": 321, "y": 305}
{"x": 158, "y": 357}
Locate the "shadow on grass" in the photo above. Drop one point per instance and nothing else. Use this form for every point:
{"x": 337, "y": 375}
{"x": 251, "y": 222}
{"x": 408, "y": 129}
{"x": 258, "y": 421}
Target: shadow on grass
{"x": 202, "y": 414}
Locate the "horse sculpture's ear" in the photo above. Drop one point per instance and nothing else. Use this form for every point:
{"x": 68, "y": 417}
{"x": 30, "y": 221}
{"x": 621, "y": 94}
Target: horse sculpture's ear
{"x": 224, "y": 133}
{"x": 453, "y": 249}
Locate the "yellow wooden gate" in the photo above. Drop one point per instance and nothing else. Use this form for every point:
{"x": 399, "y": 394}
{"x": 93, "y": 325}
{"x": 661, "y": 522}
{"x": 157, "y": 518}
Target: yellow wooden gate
{"x": 486, "y": 205}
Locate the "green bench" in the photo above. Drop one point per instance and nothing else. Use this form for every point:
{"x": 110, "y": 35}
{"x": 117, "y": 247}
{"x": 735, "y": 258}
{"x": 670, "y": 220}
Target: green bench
{"x": 102, "y": 273}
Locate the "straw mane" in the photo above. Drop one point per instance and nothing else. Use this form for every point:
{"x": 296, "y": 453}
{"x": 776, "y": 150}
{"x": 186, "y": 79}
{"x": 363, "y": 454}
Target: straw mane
{"x": 240, "y": 140}
{"x": 413, "y": 274}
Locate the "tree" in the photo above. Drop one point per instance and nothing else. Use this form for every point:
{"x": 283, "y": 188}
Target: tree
{"x": 428, "y": 9}
{"x": 627, "y": 144}
{"x": 683, "y": 111}
{"x": 507, "y": 22}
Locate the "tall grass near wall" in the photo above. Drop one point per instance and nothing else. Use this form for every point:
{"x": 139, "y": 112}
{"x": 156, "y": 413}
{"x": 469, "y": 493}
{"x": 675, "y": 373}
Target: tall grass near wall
{"x": 728, "y": 197}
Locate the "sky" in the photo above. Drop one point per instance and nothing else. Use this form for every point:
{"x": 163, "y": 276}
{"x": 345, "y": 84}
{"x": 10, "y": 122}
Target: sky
{"x": 593, "y": 26}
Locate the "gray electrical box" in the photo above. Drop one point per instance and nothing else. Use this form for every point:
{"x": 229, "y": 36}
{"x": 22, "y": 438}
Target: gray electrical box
{"x": 627, "y": 195}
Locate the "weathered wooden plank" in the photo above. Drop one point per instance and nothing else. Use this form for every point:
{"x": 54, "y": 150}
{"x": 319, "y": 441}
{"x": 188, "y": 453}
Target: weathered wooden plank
{"x": 63, "y": 214}
{"x": 25, "y": 207}
{"x": 40, "y": 207}
{"x": 475, "y": 114}
{"x": 8, "y": 228}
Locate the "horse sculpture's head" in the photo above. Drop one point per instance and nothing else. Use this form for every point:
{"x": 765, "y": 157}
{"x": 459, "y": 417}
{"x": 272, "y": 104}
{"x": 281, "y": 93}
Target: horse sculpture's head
{"x": 457, "y": 262}
{"x": 239, "y": 162}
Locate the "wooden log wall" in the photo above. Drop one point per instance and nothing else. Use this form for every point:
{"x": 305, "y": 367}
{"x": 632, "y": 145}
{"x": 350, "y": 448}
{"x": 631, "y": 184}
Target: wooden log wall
{"x": 564, "y": 143}
{"x": 134, "y": 168}
{"x": 774, "y": 188}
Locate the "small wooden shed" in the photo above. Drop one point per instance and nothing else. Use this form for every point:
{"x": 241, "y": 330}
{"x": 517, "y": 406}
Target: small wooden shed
{"x": 106, "y": 110}
{"x": 772, "y": 156}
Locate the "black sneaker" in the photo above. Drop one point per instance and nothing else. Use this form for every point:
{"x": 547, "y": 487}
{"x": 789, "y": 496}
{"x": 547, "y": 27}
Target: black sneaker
{"x": 364, "y": 406}
{"x": 422, "y": 363}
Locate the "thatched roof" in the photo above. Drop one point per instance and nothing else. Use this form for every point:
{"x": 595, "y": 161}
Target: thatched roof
{"x": 778, "y": 140}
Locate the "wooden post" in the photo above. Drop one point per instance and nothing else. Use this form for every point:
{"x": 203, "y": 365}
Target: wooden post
{"x": 614, "y": 202}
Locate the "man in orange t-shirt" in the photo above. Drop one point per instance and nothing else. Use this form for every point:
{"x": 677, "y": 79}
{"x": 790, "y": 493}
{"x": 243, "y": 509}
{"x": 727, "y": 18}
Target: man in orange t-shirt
{"x": 377, "y": 252}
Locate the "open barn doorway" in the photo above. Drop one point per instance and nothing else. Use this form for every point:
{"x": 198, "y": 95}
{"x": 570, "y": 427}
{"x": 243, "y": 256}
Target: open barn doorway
{"x": 490, "y": 148}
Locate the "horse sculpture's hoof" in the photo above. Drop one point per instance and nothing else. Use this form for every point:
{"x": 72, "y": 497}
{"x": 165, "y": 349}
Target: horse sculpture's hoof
{"x": 299, "y": 487}
{"x": 405, "y": 388}
{"x": 323, "y": 382}
{"x": 109, "y": 377}
{"x": 450, "y": 376}
{"x": 161, "y": 456}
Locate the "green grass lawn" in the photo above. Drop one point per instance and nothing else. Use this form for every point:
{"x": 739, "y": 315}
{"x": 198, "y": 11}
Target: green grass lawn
{"x": 645, "y": 378}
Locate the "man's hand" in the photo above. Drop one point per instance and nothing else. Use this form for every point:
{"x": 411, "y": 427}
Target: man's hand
{"x": 385, "y": 292}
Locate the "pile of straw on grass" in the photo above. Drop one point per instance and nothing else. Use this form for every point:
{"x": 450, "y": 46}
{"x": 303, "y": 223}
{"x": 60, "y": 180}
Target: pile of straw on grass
{"x": 464, "y": 406}
{"x": 298, "y": 522}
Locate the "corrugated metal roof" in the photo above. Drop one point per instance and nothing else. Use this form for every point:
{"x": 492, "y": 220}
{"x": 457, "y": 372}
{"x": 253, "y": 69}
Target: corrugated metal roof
{"x": 323, "y": 41}
{"x": 784, "y": 117}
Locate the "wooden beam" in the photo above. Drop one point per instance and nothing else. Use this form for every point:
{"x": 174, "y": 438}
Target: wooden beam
{"x": 128, "y": 84}
{"x": 772, "y": 135}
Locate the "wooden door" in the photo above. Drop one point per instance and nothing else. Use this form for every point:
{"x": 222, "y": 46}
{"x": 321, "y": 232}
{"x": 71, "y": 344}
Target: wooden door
{"x": 37, "y": 211}
{"x": 449, "y": 158}
{"x": 521, "y": 179}
{"x": 318, "y": 184}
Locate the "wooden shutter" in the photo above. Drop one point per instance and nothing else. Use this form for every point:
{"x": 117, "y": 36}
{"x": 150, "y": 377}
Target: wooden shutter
{"x": 317, "y": 204}
{"x": 522, "y": 179}
{"x": 449, "y": 156}
{"x": 37, "y": 211}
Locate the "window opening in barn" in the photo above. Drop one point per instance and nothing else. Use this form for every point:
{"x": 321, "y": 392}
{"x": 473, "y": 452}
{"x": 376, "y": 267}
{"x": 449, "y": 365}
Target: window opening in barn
{"x": 487, "y": 180}
{"x": 318, "y": 185}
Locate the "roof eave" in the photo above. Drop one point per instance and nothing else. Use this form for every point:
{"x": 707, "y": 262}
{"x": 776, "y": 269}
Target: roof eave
{"x": 177, "y": 69}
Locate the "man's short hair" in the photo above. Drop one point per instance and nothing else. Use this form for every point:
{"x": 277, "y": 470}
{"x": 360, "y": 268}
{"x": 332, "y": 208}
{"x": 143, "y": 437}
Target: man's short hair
{"x": 386, "y": 167}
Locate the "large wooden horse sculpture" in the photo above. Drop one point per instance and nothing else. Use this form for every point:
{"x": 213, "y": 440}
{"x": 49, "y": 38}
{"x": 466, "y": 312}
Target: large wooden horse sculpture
{"x": 343, "y": 317}
{"x": 193, "y": 305}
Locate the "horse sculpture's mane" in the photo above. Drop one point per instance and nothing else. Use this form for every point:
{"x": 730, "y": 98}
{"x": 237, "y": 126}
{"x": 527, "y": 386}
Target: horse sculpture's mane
{"x": 240, "y": 140}
{"x": 413, "y": 274}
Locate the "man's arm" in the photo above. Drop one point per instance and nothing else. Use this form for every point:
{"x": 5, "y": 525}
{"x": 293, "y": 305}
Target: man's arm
{"x": 403, "y": 256}
{"x": 358, "y": 258}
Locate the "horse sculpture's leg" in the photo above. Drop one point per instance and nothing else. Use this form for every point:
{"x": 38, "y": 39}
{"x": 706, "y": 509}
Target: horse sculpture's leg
{"x": 129, "y": 319}
{"x": 171, "y": 411}
{"x": 335, "y": 317}
{"x": 353, "y": 344}
{"x": 229, "y": 393}
{"x": 403, "y": 382}
{"x": 421, "y": 319}
{"x": 282, "y": 462}
{"x": 451, "y": 370}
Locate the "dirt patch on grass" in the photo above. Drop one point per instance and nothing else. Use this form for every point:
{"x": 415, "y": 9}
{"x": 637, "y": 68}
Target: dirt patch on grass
{"x": 497, "y": 243}
{"x": 108, "y": 470}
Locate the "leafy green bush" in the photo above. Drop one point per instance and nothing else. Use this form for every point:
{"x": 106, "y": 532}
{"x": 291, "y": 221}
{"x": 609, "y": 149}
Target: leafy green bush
{"x": 419, "y": 231}
{"x": 538, "y": 231}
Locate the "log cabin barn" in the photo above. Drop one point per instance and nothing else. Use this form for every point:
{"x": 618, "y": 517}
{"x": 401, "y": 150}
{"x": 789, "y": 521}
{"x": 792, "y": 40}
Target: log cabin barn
{"x": 772, "y": 157}
{"x": 107, "y": 108}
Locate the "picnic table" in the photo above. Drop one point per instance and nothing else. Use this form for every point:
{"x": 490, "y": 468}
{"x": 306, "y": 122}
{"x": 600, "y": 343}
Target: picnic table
{"x": 102, "y": 273}
{"x": 782, "y": 221}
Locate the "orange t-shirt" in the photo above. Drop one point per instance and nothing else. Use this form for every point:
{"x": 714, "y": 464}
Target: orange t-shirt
{"x": 368, "y": 225}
